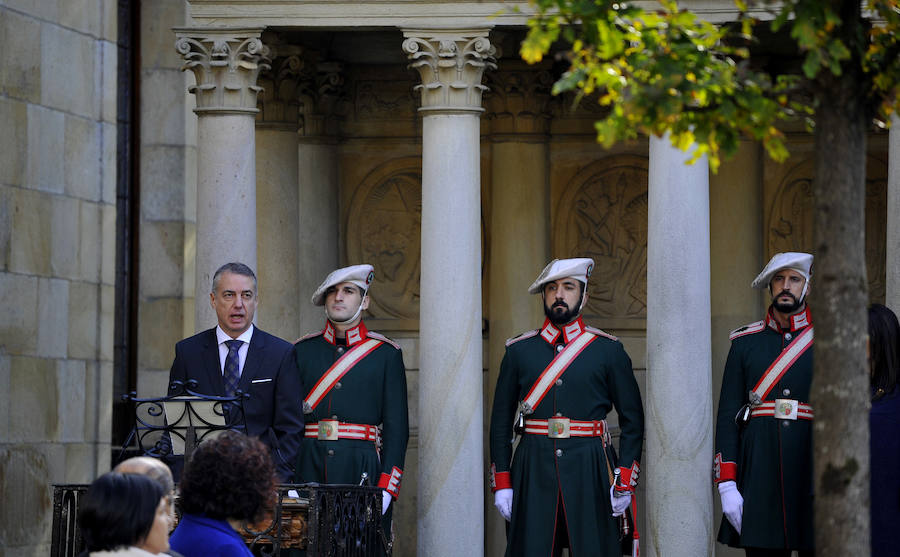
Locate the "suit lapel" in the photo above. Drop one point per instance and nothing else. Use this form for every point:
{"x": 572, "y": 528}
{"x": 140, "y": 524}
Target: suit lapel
{"x": 211, "y": 366}
{"x": 254, "y": 359}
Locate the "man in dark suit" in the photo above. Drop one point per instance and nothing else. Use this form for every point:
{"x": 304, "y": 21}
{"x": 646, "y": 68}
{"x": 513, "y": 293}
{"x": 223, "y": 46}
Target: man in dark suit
{"x": 236, "y": 355}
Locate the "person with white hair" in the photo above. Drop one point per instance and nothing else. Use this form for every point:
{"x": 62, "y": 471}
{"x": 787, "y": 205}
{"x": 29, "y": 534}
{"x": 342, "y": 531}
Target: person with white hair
{"x": 557, "y": 385}
{"x": 353, "y": 392}
{"x": 157, "y": 471}
{"x": 763, "y": 460}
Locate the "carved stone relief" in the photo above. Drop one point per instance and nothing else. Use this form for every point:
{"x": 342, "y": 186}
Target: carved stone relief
{"x": 790, "y": 221}
{"x": 603, "y": 214}
{"x": 384, "y": 100}
{"x": 789, "y": 226}
{"x": 383, "y": 228}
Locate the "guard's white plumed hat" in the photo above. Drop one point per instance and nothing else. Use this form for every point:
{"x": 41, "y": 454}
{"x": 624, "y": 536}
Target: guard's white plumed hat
{"x": 578, "y": 268}
{"x": 360, "y": 275}
{"x": 798, "y": 261}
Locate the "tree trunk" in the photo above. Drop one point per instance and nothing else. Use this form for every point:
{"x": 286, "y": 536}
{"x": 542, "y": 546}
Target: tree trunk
{"x": 839, "y": 298}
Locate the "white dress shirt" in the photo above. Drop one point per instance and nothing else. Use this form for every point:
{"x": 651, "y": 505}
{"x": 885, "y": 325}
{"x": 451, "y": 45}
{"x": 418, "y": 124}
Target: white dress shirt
{"x": 222, "y": 337}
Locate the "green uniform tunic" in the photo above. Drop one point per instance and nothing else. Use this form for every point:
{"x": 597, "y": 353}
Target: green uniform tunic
{"x": 770, "y": 459}
{"x": 372, "y": 392}
{"x": 598, "y": 379}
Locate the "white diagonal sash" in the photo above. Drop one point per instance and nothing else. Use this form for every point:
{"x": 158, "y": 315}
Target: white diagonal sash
{"x": 556, "y": 368}
{"x": 336, "y": 371}
{"x": 781, "y": 364}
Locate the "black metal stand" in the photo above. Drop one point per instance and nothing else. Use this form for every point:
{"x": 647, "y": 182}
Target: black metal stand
{"x": 153, "y": 433}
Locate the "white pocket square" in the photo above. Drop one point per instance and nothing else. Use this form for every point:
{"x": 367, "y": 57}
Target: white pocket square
{"x": 261, "y": 380}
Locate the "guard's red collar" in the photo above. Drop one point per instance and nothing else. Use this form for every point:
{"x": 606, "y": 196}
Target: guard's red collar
{"x": 550, "y": 332}
{"x": 354, "y": 335}
{"x": 798, "y": 320}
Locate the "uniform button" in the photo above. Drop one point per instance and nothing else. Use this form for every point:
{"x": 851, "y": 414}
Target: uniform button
{"x": 788, "y": 336}
{"x": 786, "y": 392}
{"x": 559, "y": 347}
{"x": 340, "y": 350}
{"x": 785, "y": 423}
{"x": 337, "y": 385}
{"x": 558, "y": 382}
{"x": 334, "y": 417}
{"x": 558, "y": 414}
{"x": 558, "y": 452}
{"x": 330, "y": 452}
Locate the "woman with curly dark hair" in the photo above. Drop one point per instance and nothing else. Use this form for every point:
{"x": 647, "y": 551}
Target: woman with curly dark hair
{"x": 125, "y": 516}
{"x": 884, "y": 422}
{"x": 229, "y": 479}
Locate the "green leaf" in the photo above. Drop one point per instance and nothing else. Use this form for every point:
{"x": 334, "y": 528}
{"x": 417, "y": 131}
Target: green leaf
{"x": 812, "y": 63}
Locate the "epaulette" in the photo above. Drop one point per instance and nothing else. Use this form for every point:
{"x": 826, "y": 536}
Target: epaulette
{"x": 523, "y": 336}
{"x": 748, "y": 329}
{"x": 602, "y": 333}
{"x": 383, "y": 338}
{"x": 309, "y": 335}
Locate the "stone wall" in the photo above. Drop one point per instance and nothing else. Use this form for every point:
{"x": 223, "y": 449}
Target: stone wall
{"x": 57, "y": 255}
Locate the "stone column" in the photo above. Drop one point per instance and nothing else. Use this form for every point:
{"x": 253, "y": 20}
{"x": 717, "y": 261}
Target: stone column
{"x": 451, "y": 475}
{"x": 225, "y": 64}
{"x": 892, "y": 266}
{"x": 678, "y": 400}
{"x": 277, "y": 195}
{"x": 518, "y": 111}
{"x": 321, "y": 98}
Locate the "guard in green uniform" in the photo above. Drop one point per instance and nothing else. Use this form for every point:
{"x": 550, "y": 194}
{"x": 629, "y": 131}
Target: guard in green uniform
{"x": 557, "y": 384}
{"x": 353, "y": 387}
{"x": 763, "y": 462}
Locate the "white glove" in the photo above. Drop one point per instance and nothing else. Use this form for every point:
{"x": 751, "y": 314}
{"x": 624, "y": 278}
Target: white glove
{"x": 619, "y": 502}
{"x": 503, "y": 502}
{"x": 732, "y": 503}
{"x": 386, "y": 499}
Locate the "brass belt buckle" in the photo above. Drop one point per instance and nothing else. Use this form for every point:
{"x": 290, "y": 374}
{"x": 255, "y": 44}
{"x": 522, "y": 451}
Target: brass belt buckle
{"x": 785, "y": 409}
{"x": 558, "y": 428}
{"x": 328, "y": 430}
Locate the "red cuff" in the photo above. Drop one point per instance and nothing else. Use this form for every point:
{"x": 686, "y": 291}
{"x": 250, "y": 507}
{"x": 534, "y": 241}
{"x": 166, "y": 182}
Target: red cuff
{"x": 391, "y": 483}
{"x": 724, "y": 471}
{"x": 627, "y": 479}
{"x": 499, "y": 480}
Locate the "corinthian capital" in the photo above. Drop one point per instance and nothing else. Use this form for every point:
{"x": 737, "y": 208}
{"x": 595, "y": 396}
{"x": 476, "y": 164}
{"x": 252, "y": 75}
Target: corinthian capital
{"x": 519, "y": 101}
{"x": 278, "y": 104}
{"x": 451, "y": 64}
{"x": 323, "y": 99}
{"x": 226, "y": 64}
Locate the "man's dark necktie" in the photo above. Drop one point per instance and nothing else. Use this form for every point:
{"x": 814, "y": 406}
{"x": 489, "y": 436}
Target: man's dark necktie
{"x": 232, "y": 367}
{"x": 231, "y": 376}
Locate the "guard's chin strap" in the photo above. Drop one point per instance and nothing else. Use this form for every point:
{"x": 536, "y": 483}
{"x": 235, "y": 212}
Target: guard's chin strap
{"x": 803, "y": 292}
{"x": 352, "y": 319}
{"x": 583, "y": 300}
